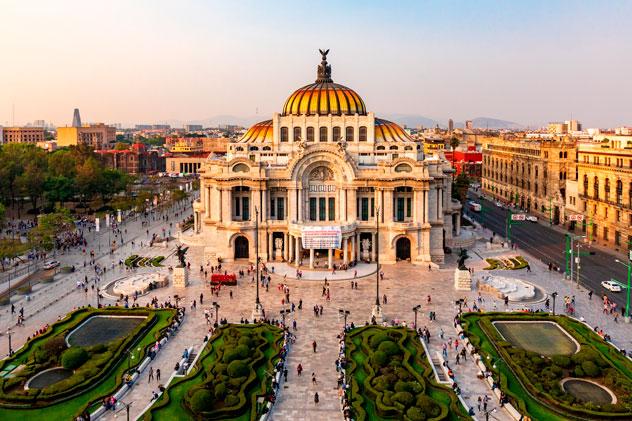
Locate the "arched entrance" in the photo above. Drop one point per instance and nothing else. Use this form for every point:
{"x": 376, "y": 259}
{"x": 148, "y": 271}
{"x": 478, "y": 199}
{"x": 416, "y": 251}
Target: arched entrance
{"x": 402, "y": 249}
{"x": 241, "y": 247}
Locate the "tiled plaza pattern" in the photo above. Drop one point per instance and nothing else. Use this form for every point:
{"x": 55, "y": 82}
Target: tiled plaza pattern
{"x": 404, "y": 285}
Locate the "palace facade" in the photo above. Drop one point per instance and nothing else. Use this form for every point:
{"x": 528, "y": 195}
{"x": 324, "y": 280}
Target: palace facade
{"x": 317, "y": 180}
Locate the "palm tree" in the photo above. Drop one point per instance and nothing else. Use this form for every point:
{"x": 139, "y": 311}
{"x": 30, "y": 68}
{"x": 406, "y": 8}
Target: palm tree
{"x": 454, "y": 143}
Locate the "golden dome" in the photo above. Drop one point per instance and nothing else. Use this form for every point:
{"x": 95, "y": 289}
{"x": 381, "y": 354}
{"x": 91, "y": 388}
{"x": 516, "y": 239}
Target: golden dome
{"x": 259, "y": 133}
{"x": 387, "y": 131}
{"x": 324, "y": 97}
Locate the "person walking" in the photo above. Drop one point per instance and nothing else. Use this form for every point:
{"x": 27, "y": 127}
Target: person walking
{"x": 299, "y": 370}
{"x": 314, "y": 378}
{"x": 314, "y": 346}
{"x": 158, "y": 374}
{"x": 285, "y": 374}
{"x": 316, "y": 399}
{"x": 151, "y": 374}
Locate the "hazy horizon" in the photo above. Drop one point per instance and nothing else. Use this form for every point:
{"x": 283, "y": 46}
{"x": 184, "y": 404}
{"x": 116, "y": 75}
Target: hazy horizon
{"x": 153, "y": 61}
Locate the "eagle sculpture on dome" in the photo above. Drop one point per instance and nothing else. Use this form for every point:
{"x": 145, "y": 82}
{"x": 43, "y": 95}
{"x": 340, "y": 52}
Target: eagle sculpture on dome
{"x": 324, "y": 69}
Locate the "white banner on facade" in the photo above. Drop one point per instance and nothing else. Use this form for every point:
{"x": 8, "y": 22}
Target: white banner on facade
{"x": 97, "y": 224}
{"x": 107, "y": 219}
{"x": 318, "y": 237}
{"x": 119, "y": 216}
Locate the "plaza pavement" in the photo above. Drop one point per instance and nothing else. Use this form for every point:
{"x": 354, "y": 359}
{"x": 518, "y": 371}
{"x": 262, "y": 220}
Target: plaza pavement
{"x": 405, "y": 286}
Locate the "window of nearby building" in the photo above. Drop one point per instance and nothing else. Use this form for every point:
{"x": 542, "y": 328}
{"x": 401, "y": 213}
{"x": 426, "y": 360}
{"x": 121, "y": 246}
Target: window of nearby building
{"x": 362, "y": 134}
{"x": 617, "y": 238}
{"x": 336, "y": 134}
{"x": 605, "y": 233}
{"x": 310, "y": 134}
{"x": 312, "y": 209}
{"x": 297, "y": 134}
{"x": 596, "y": 188}
{"x": 323, "y": 134}
{"x": 322, "y": 209}
{"x": 280, "y": 202}
{"x": 349, "y": 134}
{"x": 284, "y": 134}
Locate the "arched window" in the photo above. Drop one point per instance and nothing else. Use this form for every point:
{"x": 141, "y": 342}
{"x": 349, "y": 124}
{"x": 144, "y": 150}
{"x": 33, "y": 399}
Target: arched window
{"x": 241, "y": 168}
{"x": 349, "y": 134}
{"x": 336, "y": 134}
{"x": 393, "y": 148}
{"x": 322, "y": 137}
{"x": 362, "y": 135}
{"x": 408, "y": 148}
{"x": 297, "y": 134}
{"x": 380, "y": 148}
{"x": 284, "y": 134}
{"x": 403, "y": 168}
{"x": 239, "y": 149}
{"x": 596, "y": 188}
{"x": 267, "y": 148}
{"x": 254, "y": 148}
{"x": 310, "y": 134}
{"x": 561, "y": 154}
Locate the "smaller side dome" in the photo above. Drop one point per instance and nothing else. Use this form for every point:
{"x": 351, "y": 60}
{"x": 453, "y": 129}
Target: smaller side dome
{"x": 259, "y": 133}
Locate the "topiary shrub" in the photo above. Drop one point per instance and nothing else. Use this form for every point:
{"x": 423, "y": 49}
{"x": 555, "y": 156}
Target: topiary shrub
{"x": 201, "y": 400}
{"x": 247, "y": 341}
{"x": 591, "y": 369}
{"x": 220, "y": 391}
{"x": 237, "y": 369}
{"x": 377, "y": 339}
{"x": 379, "y": 358}
{"x": 561, "y": 361}
{"x": 578, "y": 372}
{"x": 231, "y": 400}
{"x": 405, "y": 398}
{"x": 74, "y": 357}
{"x": 389, "y": 348}
{"x": 416, "y": 414}
{"x": 428, "y": 406}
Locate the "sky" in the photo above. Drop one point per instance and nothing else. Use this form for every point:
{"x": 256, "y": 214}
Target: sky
{"x": 136, "y": 61}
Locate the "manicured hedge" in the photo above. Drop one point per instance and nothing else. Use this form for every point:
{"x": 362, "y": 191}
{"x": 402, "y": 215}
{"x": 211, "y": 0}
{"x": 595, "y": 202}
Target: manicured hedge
{"x": 533, "y": 381}
{"x": 391, "y": 378}
{"x": 229, "y": 375}
{"x": 49, "y": 350}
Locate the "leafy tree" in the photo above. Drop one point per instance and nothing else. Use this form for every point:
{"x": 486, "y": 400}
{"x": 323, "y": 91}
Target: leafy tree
{"x": 62, "y": 163}
{"x": 460, "y": 187}
{"x": 59, "y": 189}
{"x": 31, "y": 181}
{"x": 89, "y": 178}
{"x": 120, "y": 146}
{"x": 112, "y": 182}
{"x": 49, "y": 227}
{"x": 3, "y": 213}
{"x": 10, "y": 249}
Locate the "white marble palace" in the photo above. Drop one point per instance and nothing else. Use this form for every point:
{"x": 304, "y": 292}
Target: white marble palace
{"x": 323, "y": 177}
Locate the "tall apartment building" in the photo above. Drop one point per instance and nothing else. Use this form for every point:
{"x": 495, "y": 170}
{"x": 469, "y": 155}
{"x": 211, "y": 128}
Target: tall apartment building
{"x": 531, "y": 174}
{"x": 22, "y": 135}
{"x": 604, "y": 191}
{"x": 99, "y": 136}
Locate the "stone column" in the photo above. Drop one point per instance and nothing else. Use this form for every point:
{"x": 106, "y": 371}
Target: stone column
{"x": 415, "y": 206}
{"x": 330, "y": 258}
{"x": 388, "y": 206}
{"x": 345, "y": 251}
{"x": 425, "y": 210}
{"x": 353, "y": 247}
{"x": 351, "y": 205}
{"x": 254, "y": 201}
{"x": 373, "y": 247}
{"x": 291, "y": 204}
{"x": 226, "y": 206}
{"x": 357, "y": 248}
{"x": 440, "y": 203}
{"x": 297, "y": 250}
{"x": 207, "y": 204}
{"x": 311, "y": 258}
{"x": 195, "y": 221}
{"x": 458, "y": 224}
{"x": 286, "y": 247}
{"x": 300, "y": 204}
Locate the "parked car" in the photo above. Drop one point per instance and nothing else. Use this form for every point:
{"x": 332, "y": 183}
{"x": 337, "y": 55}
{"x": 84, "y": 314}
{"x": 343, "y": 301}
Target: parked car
{"x": 51, "y": 265}
{"x": 531, "y": 218}
{"x": 611, "y": 286}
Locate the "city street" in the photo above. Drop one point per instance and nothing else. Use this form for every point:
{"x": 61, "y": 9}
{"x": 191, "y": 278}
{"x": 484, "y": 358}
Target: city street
{"x": 547, "y": 244}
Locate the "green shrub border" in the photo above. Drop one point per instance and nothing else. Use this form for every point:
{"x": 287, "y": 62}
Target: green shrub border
{"x": 62, "y": 327}
{"x": 495, "y": 349}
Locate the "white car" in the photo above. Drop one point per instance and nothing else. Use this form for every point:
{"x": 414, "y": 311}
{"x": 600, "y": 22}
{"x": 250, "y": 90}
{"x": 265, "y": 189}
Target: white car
{"x": 531, "y": 218}
{"x": 500, "y": 205}
{"x": 611, "y": 286}
{"x": 51, "y": 265}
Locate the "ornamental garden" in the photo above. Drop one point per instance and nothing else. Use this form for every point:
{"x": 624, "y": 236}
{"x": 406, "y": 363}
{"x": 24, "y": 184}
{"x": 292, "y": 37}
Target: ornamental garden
{"x": 231, "y": 373}
{"x": 391, "y": 378}
{"x": 68, "y": 368}
{"x": 552, "y": 367}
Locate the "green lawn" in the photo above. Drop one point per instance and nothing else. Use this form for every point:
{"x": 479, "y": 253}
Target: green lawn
{"x": 532, "y": 381}
{"x": 72, "y": 407}
{"x": 170, "y": 406}
{"x": 402, "y": 384}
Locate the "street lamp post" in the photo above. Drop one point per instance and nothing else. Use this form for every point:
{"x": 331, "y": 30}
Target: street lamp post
{"x": 627, "y": 291}
{"x": 9, "y": 333}
{"x": 257, "y": 313}
{"x": 216, "y": 306}
{"x": 376, "y": 314}
{"x": 416, "y": 310}
{"x": 554, "y": 296}
{"x": 344, "y": 313}
{"x": 127, "y": 405}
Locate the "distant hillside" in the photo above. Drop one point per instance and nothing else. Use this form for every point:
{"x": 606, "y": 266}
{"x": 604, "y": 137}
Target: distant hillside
{"x": 494, "y": 123}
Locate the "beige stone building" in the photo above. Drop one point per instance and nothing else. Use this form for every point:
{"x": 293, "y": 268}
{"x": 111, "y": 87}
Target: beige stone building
{"x": 99, "y": 136}
{"x": 31, "y": 135}
{"x": 531, "y": 174}
{"x": 604, "y": 190}
{"x": 320, "y": 176}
